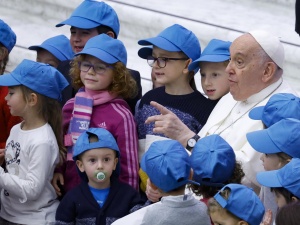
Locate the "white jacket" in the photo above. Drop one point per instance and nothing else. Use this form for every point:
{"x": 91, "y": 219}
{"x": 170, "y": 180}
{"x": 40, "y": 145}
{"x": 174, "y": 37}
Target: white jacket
{"x": 230, "y": 119}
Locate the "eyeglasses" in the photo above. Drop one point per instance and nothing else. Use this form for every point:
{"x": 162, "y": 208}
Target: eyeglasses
{"x": 99, "y": 68}
{"x": 161, "y": 61}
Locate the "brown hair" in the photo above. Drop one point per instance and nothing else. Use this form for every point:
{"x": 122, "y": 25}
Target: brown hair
{"x": 214, "y": 206}
{"x": 122, "y": 84}
{"x": 209, "y": 191}
{"x": 3, "y": 54}
{"x": 50, "y": 110}
{"x": 289, "y": 214}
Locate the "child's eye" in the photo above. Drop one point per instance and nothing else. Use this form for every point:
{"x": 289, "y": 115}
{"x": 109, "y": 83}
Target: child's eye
{"x": 214, "y": 74}
{"x": 92, "y": 160}
{"x": 106, "y": 159}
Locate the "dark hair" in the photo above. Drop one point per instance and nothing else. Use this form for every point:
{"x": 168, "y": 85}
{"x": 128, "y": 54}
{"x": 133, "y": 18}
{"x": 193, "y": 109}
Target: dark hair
{"x": 122, "y": 84}
{"x": 50, "y": 110}
{"x": 209, "y": 191}
{"x": 102, "y": 29}
{"x": 288, "y": 196}
{"x": 289, "y": 214}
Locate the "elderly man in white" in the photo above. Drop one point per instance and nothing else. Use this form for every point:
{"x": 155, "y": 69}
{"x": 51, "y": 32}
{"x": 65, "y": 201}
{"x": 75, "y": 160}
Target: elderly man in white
{"x": 255, "y": 74}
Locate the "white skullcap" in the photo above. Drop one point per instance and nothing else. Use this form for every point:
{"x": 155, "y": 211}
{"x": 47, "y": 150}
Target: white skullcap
{"x": 271, "y": 45}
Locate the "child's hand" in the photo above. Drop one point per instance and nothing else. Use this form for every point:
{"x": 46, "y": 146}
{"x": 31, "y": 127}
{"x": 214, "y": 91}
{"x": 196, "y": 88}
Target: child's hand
{"x": 57, "y": 177}
{"x": 2, "y": 154}
{"x": 267, "y": 220}
{"x": 152, "y": 195}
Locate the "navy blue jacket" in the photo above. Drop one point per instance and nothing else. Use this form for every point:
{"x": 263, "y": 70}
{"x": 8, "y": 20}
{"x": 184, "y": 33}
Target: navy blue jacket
{"x": 80, "y": 207}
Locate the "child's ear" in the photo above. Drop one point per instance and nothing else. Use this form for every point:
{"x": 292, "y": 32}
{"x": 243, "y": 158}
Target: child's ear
{"x": 111, "y": 34}
{"x": 295, "y": 199}
{"x": 242, "y": 222}
{"x": 33, "y": 99}
{"x": 186, "y": 68}
{"x": 80, "y": 165}
{"x": 116, "y": 162}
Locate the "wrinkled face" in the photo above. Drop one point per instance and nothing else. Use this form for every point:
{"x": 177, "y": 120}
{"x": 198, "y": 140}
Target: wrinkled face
{"x": 245, "y": 68}
{"x": 214, "y": 79}
{"x": 98, "y": 160}
{"x": 221, "y": 217}
{"x": 271, "y": 161}
{"x": 46, "y": 57}
{"x": 95, "y": 81}
{"x": 15, "y": 101}
{"x": 79, "y": 37}
{"x": 172, "y": 73}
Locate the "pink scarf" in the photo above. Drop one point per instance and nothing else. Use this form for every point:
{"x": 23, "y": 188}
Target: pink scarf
{"x": 83, "y": 108}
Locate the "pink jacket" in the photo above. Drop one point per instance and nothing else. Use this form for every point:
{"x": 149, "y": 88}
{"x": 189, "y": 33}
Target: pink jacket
{"x": 116, "y": 117}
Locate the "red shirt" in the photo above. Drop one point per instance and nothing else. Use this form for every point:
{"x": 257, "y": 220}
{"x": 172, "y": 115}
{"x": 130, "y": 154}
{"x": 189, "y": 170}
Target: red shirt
{"x": 7, "y": 121}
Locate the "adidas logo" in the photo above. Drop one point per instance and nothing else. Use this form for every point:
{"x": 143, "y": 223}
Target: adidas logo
{"x": 102, "y": 125}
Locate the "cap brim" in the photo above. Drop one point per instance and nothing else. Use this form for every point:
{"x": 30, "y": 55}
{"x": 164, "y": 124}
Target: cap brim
{"x": 268, "y": 178}
{"x": 57, "y": 54}
{"x": 214, "y": 58}
{"x": 194, "y": 65}
{"x": 257, "y": 113}
{"x": 79, "y": 22}
{"x": 145, "y": 52}
{"x": 100, "y": 54}
{"x": 261, "y": 142}
{"x": 8, "y": 80}
{"x": 161, "y": 43}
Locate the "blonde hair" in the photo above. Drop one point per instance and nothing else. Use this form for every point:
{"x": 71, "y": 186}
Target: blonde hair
{"x": 50, "y": 110}
{"x": 122, "y": 84}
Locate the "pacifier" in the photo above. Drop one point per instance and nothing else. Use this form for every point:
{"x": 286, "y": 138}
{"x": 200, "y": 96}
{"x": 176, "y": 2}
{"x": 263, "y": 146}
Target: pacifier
{"x": 100, "y": 176}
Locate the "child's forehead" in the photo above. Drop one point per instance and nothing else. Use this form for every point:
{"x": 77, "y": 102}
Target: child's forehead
{"x": 100, "y": 152}
{"x": 161, "y": 52}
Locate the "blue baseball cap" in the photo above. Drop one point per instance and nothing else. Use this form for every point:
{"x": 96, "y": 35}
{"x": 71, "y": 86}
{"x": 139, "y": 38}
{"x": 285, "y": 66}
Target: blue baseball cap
{"x": 287, "y": 177}
{"x": 105, "y": 48}
{"x": 144, "y": 52}
{"x": 213, "y": 161}
{"x": 39, "y": 77}
{"x": 243, "y": 203}
{"x": 176, "y": 38}
{"x": 90, "y": 14}
{"x": 59, "y": 46}
{"x": 215, "y": 51}
{"x": 167, "y": 164}
{"x": 105, "y": 140}
{"x": 283, "y": 136}
{"x": 279, "y": 106}
{"x": 7, "y": 37}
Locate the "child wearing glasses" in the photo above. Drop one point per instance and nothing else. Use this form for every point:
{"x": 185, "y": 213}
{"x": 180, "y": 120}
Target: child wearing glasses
{"x": 99, "y": 72}
{"x": 173, "y": 50}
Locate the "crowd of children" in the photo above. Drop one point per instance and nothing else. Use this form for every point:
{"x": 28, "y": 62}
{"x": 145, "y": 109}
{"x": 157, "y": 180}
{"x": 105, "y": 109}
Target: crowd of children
{"x": 76, "y": 147}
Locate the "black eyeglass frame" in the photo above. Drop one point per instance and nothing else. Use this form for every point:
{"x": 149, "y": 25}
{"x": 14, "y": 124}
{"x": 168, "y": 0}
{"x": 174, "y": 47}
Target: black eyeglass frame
{"x": 161, "y": 60}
